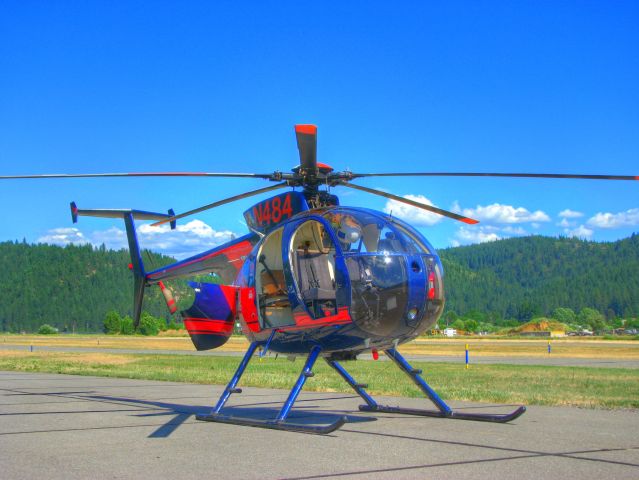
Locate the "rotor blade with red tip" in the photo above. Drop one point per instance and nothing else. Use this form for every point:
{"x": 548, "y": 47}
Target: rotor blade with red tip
{"x": 140, "y": 174}
{"x": 486, "y": 174}
{"x": 307, "y": 146}
{"x": 220, "y": 202}
{"x": 430, "y": 208}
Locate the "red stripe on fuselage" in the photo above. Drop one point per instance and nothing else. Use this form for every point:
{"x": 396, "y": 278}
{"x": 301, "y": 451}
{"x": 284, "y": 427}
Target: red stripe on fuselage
{"x": 249, "y": 308}
{"x": 205, "y": 325}
{"x": 316, "y": 324}
{"x": 304, "y": 320}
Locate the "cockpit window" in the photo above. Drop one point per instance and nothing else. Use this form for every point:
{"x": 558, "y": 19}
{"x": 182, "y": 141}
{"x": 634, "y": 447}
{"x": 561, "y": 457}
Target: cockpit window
{"x": 362, "y": 232}
{"x": 413, "y": 243}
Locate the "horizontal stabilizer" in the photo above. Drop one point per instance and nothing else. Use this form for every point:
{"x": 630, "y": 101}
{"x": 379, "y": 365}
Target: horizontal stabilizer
{"x": 120, "y": 213}
{"x": 137, "y": 266}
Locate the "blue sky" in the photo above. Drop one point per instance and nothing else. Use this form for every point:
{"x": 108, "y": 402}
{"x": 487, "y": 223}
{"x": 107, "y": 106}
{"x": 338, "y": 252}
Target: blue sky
{"x": 218, "y": 86}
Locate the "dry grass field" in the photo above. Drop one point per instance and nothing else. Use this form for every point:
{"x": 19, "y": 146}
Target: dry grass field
{"x": 493, "y": 347}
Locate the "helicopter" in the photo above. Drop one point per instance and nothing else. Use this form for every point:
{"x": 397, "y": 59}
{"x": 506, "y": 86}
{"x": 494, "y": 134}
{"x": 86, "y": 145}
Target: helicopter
{"x": 312, "y": 277}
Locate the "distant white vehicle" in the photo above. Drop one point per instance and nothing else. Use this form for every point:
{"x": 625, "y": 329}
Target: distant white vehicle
{"x": 586, "y": 333}
{"x": 450, "y": 332}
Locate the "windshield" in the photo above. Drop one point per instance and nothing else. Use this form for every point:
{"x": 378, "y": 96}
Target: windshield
{"x": 362, "y": 232}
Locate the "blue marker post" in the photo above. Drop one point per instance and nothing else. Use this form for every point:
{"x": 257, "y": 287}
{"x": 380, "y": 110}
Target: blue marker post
{"x": 549, "y": 348}
{"x": 466, "y": 355}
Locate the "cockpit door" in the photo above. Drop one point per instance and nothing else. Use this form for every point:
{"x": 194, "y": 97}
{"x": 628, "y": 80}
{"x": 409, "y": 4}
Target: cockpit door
{"x": 319, "y": 286}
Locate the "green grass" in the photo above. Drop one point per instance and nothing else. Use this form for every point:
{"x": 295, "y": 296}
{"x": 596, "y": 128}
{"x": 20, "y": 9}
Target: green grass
{"x": 530, "y": 385}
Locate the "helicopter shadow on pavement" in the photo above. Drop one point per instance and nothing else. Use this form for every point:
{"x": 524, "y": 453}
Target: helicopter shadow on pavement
{"x": 305, "y": 413}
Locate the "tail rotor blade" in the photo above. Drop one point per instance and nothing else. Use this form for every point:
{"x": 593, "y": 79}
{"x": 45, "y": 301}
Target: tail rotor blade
{"x": 413, "y": 203}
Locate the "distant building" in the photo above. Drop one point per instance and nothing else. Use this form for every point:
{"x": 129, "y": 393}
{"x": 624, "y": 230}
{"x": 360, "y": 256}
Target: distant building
{"x": 554, "y": 333}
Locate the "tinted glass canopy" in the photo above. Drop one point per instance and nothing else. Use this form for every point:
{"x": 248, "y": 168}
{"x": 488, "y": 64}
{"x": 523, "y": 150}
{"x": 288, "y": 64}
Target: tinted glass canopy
{"x": 367, "y": 231}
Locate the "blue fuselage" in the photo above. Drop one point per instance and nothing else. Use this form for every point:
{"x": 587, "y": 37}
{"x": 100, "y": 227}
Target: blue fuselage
{"x": 342, "y": 278}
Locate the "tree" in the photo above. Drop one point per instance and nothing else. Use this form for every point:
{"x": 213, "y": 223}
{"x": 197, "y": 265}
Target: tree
{"x": 126, "y": 327}
{"x": 112, "y": 323}
{"x": 564, "y": 315}
{"x": 471, "y": 325}
{"x": 616, "y": 322}
{"x": 458, "y": 324}
{"x": 592, "y": 318}
{"x": 450, "y": 317}
{"x": 161, "y": 324}
{"x": 47, "y": 329}
{"x": 173, "y": 325}
{"x": 475, "y": 315}
{"x": 527, "y": 310}
{"x": 148, "y": 324}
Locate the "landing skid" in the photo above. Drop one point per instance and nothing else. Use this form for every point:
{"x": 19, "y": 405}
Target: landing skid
{"x": 479, "y": 417}
{"x": 274, "y": 424}
{"x": 443, "y": 410}
{"x": 280, "y": 422}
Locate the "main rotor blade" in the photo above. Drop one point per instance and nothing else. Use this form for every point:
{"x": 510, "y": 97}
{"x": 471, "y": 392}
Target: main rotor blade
{"x": 486, "y": 174}
{"x": 307, "y": 146}
{"x": 430, "y": 208}
{"x": 221, "y": 202}
{"x": 139, "y": 174}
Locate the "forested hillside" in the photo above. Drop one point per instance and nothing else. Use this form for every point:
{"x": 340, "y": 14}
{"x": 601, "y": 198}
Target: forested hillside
{"x": 72, "y": 288}
{"x": 69, "y": 288}
{"x": 524, "y": 277}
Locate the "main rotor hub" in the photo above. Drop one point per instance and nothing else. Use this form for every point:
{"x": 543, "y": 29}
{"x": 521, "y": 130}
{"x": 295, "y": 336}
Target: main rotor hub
{"x": 321, "y": 167}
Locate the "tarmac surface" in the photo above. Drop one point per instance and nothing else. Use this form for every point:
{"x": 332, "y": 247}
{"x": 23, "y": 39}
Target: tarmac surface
{"x": 549, "y": 360}
{"x": 71, "y": 427}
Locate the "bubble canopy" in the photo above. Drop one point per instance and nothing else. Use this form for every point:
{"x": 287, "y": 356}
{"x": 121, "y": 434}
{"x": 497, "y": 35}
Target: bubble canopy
{"x": 365, "y": 270}
{"x": 367, "y": 231}
{"x": 388, "y": 264}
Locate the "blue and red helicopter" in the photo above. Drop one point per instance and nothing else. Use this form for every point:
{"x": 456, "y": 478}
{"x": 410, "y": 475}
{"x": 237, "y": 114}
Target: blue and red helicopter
{"x": 311, "y": 278}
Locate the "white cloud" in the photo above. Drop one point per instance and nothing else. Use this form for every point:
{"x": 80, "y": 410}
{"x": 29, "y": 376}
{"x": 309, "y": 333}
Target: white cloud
{"x": 413, "y": 215}
{"x": 567, "y": 213}
{"x": 629, "y": 218}
{"x": 498, "y": 213}
{"x": 580, "y": 232}
{"x": 567, "y": 219}
{"x": 484, "y": 233}
{"x": 63, "y": 236}
{"x": 565, "y": 223}
{"x": 186, "y": 240}
{"x": 468, "y": 235}
{"x": 113, "y": 238}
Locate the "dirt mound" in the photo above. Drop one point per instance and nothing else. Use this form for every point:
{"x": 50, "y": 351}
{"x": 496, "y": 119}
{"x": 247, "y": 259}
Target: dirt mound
{"x": 541, "y": 325}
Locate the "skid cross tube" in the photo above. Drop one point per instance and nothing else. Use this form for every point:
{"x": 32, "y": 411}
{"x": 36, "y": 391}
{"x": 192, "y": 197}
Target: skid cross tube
{"x": 278, "y": 423}
{"x": 307, "y": 371}
{"x": 231, "y": 387}
{"x": 358, "y": 387}
{"x": 443, "y": 410}
{"x": 418, "y": 380}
